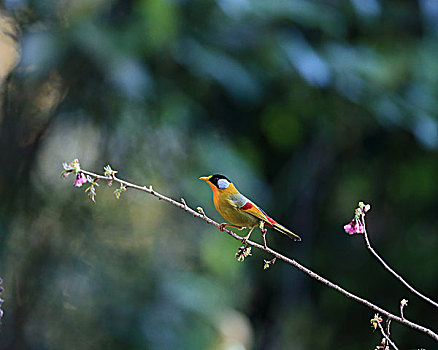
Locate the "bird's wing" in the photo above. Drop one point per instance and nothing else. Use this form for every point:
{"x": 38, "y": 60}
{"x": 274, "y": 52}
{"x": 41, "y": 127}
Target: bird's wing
{"x": 252, "y": 208}
{"x": 245, "y": 205}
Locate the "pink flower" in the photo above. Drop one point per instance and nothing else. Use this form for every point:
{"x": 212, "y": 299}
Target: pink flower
{"x": 355, "y": 226}
{"x": 359, "y": 228}
{"x": 80, "y": 180}
{"x": 349, "y": 228}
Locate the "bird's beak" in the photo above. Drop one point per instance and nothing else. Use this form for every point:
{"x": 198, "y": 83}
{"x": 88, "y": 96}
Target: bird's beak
{"x": 204, "y": 178}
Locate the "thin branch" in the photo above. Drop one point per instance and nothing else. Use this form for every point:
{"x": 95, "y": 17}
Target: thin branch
{"x": 268, "y": 250}
{"x": 386, "y": 336}
{"x": 388, "y": 327}
{"x": 1, "y": 301}
{"x": 386, "y": 266}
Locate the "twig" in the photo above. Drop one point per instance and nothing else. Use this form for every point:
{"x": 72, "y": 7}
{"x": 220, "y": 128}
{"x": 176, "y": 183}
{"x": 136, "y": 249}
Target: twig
{"x": 185, "y": 204}
{"x": 269, "y": 263}
{"x": 386, "y": 336}
{"x": 388, "y": 327}
{"x": 386, "y": 266}
{"x": 403, "y": 303}
{"x": 268, "y": 250}
{"x": 1, "y": 301}
{"x": 201, "y": 211}
{"x": 264, "y": 231}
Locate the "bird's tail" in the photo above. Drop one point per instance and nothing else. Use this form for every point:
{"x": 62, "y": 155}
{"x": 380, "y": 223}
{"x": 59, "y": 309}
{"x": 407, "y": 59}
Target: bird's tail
{"x": 285, "y": 231}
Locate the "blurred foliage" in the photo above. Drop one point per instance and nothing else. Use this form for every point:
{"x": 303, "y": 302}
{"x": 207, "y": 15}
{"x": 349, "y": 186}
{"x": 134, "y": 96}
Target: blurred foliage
{"x": 310, "y": 106}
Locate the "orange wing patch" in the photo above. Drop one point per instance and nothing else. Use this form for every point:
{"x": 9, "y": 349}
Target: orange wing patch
{"x": 254, "y": 210}
{"x": 272, "y": 221}
{"x": 246, "y": 206}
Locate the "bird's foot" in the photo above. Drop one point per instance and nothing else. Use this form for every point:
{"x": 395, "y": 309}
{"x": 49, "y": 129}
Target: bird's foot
{"x": 221, "y": 227}
{"x": 245, "y": 239}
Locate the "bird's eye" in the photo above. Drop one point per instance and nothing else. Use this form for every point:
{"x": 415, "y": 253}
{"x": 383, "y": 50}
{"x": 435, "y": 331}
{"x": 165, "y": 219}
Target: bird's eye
{"x": 222, "y": 184}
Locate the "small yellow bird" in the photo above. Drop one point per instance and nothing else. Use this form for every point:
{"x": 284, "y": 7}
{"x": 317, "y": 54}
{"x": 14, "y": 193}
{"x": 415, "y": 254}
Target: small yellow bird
{"x": 239, "y": 210}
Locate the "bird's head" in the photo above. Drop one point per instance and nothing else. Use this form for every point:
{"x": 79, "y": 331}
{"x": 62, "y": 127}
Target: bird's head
{"x": 217, "y": 181}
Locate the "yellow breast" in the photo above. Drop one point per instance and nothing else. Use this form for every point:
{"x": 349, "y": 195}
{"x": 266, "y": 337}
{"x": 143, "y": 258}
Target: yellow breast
{"x": 229, "y": 210}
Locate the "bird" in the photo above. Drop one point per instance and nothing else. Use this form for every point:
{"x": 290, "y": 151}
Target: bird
{"x": 240, "y": 211}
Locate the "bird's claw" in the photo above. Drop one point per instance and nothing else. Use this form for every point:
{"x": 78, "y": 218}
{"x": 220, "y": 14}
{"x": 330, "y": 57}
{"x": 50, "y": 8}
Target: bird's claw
{"x": 245, "y": 239}
{"x": 221, "y": 227}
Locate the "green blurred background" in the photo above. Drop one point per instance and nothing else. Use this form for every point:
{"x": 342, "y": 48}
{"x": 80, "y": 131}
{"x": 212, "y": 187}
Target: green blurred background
{"x": 309, "y": 106}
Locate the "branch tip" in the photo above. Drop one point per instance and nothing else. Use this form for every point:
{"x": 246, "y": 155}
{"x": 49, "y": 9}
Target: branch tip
{"x": 403, "y": 303}
{"x": 201, "y": 211}
{"x": 185, "y": 204}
